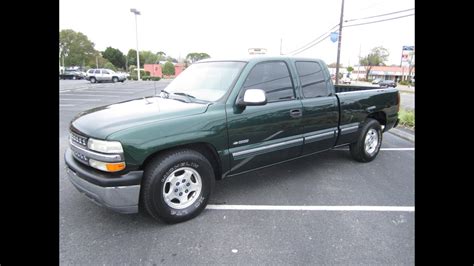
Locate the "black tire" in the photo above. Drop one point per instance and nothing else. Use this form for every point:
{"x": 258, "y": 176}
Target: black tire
{"x": 114, "y": 79}
{"x": 93, "y": 80}
{"x": 154, "y": 184}
{"x": 358, "y": 149}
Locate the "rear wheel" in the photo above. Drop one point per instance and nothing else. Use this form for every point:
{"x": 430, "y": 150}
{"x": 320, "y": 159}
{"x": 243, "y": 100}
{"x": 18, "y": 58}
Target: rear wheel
{"x": 177, "y": 185}
{"x": 368, "y": 142}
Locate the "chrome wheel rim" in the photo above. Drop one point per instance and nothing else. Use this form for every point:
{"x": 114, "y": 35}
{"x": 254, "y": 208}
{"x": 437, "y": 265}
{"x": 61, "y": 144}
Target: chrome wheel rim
{"x": 182, "y": 188}
{"x": 371, "y": 141}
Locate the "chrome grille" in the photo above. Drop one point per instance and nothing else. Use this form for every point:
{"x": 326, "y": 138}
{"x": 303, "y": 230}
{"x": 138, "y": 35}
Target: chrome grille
{"x": 78, "y": 139}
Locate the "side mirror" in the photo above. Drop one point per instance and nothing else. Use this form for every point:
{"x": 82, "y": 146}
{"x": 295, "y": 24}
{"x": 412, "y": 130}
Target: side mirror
{"x": 253, "y": 97}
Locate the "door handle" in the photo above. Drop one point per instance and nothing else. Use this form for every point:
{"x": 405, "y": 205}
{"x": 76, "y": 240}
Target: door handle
{"x": 296, "y": 113}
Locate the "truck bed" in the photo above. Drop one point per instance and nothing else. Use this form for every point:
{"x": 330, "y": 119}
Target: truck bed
{"x": 346, "y": 88}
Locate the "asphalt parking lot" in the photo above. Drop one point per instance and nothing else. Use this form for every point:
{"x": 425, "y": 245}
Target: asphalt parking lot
{"x": 322, "y": 209}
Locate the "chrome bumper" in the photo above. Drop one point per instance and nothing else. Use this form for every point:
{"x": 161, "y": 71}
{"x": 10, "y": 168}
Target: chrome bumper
{"x": 122, "y": 199}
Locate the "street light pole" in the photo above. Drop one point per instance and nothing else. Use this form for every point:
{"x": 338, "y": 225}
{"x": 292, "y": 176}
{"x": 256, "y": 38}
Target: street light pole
{"x": 136, "y": 12}
{"x": 339, "y": 44}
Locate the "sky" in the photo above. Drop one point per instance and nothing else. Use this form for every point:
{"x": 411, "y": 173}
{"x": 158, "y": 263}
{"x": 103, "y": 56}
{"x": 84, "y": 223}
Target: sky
{"x": 228, "y": 28}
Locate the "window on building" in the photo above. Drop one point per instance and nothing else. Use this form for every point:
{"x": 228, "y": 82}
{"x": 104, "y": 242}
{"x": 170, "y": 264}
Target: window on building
{"x": 312, "y": 79}
{"x": 272, "y": 77}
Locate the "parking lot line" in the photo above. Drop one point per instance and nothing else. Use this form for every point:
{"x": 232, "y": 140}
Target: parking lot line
{"x": 64, "y": 105}
{"x": 88, "y": 100}
{"x": 124, "y": 92}
{"x": 384, "y": 149}
{"x": 92, "y": 95}
{"x": 397, "y": 149}
{"x": 312, "y": 208}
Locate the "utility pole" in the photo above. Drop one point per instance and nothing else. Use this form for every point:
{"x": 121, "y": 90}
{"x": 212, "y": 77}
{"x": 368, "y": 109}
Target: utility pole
{"x": 358, "y": 67}
{"x": 339, "y": 44}
{"x": 281, "y": 40}
{"x": 96, "y": 61}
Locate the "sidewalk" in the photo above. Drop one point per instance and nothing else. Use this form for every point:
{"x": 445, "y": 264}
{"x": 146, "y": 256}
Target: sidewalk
{"x": 403, "y": 133}
{"x": 405, "y": 88}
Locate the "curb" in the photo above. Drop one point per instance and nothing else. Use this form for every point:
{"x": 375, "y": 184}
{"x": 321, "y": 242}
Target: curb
{"x": 402, "y": 134}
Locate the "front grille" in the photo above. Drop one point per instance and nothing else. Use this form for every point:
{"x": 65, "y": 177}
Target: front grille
{"x": 78, "y": 139}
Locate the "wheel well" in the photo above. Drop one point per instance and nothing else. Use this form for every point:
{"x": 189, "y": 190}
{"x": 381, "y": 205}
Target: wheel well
{"x": 381, "y": 117}
{"x": 205, "y": 149}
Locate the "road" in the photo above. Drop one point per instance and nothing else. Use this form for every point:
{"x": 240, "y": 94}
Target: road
{"x": 315, "y": 234}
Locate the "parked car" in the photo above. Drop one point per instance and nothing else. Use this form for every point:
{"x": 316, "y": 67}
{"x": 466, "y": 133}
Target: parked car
{"x": 165, "y": 152}
{"x": 102, "y": 74}
{"x": 71, "y": 74}
{"x": 387, "y": 83}
{"x": 346, "y": 80}
{"x": 376, "y": 81}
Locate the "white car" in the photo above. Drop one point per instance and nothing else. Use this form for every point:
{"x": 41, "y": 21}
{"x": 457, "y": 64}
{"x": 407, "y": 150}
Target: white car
{"x": 346, "y": 80}
{"x": 102, "y": 74}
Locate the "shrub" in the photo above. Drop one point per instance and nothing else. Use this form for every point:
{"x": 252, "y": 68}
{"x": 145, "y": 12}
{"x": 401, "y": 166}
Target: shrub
{"x": 168, "y": 69}
{"x": 407, "y": 118}
{"x": 404, "y": 82}
{"x": 155, "y": 78}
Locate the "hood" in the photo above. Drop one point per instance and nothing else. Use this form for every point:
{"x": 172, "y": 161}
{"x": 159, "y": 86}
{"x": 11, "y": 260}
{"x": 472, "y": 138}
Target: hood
{"x": 105, "y": 120}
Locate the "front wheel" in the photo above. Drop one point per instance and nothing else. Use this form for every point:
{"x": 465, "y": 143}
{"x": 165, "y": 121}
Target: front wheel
{"x": 177, "y": 185}
{"x": 368, "y": 142}
{"x": 93, "y": 80}
{"x": 114, "y": 79}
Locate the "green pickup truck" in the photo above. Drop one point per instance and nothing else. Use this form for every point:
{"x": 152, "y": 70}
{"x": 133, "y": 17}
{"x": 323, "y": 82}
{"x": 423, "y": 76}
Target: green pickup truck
{"x": 220, "y": 118}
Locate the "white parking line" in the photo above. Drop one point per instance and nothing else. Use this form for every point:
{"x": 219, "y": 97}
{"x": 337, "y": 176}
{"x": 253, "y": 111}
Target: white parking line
{"x": 312, "y": 208}
{"x": 92, "y": 95}
{"x": 397, "y": 149}
{"x": 89, "y": 100}
{"x": 384, "y": 149}
{"x": 124, "y": 92}
{"x": 65, "y": 105}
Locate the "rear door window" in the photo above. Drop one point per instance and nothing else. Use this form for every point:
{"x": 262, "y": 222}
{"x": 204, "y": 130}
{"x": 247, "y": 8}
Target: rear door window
{"x": 313, "y": 81}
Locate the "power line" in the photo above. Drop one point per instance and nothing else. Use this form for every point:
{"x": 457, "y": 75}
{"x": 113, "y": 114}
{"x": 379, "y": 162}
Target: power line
{"x": 312, "y": 45}
{"x": 378, "y": 21}
{"x": 309, "y": 43}
{"x": 381, "y": 15}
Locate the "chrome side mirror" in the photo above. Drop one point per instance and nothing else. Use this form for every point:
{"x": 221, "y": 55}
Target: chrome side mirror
{"x": 253, "y": 97}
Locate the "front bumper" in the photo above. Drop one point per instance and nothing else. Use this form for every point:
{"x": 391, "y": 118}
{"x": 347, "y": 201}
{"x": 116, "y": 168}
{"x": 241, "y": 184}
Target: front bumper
{"x": 118, "y": 193}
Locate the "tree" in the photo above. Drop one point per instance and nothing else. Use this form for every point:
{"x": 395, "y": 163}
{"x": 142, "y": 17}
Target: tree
{"x": 193, "y": 57}
{"x": 168, "y": 69}
{"x": 97, "y": 60}
{"x": 148, "y": 57}
{"x": 376, "y": 57}
{"x": 350, "y": 69}
{"x": 109, "y": 65}
{"x": 76, "y": 48}
{"x": 171, "y": 59}
{"x": 333, "y": 65}
{"x": 115, "y": 56}
{"x": 132, "y": 58}
{"x": 161, "y": 55}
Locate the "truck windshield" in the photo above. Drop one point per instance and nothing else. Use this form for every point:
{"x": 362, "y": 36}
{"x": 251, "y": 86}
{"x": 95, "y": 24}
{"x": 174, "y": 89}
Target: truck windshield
{"x": 207, "y": 81}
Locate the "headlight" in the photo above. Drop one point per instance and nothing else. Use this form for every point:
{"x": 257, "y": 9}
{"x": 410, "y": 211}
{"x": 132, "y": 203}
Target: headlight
{"x": 104, "y": 146}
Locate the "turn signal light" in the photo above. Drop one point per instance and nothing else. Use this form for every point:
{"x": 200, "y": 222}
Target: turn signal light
{"x": 115, "y": 167}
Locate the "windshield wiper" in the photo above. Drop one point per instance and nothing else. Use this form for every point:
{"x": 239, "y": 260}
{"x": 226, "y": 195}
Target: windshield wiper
{"x": 184, "y": 94}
